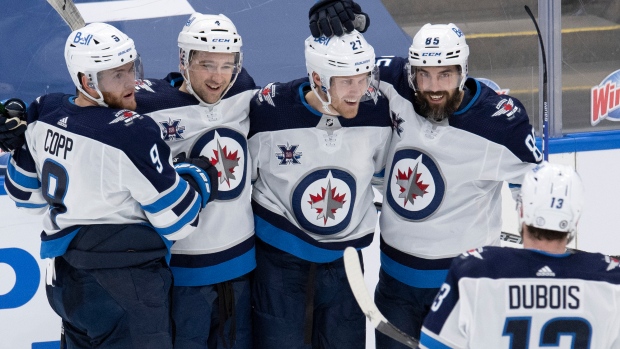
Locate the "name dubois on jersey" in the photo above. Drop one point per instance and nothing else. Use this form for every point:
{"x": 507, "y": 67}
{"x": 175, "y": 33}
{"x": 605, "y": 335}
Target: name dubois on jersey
{"x": 544, "y": 297}
{"x": 57, "y": 144}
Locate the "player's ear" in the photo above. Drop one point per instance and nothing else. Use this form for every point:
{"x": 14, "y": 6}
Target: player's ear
{"x": 316, "y": 79}
{"x": 87, "y": 85}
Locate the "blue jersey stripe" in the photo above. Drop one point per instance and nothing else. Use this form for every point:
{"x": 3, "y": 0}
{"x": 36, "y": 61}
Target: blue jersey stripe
{"x": 214, "y": 274}
{"x": 413, "y": 277}
{"x": 432, "y": 343}
{"x": 23, "y": 180}
{"x": 183, "y": 221}
{"x": 167, "y": 200}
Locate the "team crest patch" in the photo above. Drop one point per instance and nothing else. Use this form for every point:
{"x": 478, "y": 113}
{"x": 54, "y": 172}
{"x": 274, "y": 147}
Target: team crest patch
{"x": 474, "y": 253}
{"x": 416, "y": 186}
{"x": 323, "y": 201}
{"x": 506, "y": 107}
{"x": 126, "y": 116}
{"x": 612, "y": 262}
{"x": 144, "y": 85}
{"x": 288, "y": 155}
{"x": 226, "y": 149}
{"x": 267, "y": 94}
{"x": 172, "y": 130}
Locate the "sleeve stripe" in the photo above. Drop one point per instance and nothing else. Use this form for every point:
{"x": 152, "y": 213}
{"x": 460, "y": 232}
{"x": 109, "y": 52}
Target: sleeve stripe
{"x": 186, "y": 219}
{"x": 25, "y": 205}
{"x": 14, "y": 192}
{"x": 167, "y": 200}
{"x": 22, "y": 179}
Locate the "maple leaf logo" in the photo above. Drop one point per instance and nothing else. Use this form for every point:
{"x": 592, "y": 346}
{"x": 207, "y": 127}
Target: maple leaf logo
{"x": 410, "y": 184}
{"x": 225, "y": 163}
{"x": 327, "y": 203}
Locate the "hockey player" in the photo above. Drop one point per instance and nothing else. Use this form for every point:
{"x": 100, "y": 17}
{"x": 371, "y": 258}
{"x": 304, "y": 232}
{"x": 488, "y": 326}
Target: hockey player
{"x": 455, "y": 142}
{"x": 538, "y": 296}
{"x": 113, "y": 203}
{"x": 315, "y": 146}
{"x": 203, "y": 115}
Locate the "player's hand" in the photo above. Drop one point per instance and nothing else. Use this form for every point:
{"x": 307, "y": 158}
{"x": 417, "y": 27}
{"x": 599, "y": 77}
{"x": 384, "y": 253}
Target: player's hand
{"x": 328, "y": 17}
{"x": 12, "y": 124}
{"x": 195, "y": 178}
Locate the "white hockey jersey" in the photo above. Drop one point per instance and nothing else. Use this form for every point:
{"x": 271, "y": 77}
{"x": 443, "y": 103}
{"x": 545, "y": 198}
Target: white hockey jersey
{"x": 222, "y": 248}
{"x": 510, "y": 298}
{"x": 313, "y": 196}
{"x": 443, "y": 181}
{"x": 83, "y": 166}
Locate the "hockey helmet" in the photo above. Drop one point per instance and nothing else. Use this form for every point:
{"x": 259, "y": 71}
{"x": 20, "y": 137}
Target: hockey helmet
{"x": 209, "y": 33}
{"x": 438, "y": 45}
{"x": 551, "y": 198}
{"x": 95, "y": 48}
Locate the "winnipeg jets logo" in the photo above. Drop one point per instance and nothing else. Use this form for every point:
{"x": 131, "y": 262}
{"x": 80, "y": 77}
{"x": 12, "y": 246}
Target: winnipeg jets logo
{"x": 327, "y": 202}
{"x": 225, "y": 161}
{"x": 226, "y": 149}
{"x": 396, "y": 121}
{"x": 506, "y": 107}
{"x": 267, "y": 94}
{"x": 416, "y": 186}
{"x": 171, "y": 130}
{"x": 289, "y": 155}
{"x": 410, "y": 184}
{"x": 323, "y": 201}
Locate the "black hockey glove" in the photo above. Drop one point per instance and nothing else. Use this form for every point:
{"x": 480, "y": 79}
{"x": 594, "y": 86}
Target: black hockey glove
{"x": 328, "y": 17}
{"x": 12, "y": 124}
{"x": 200, "y": 174}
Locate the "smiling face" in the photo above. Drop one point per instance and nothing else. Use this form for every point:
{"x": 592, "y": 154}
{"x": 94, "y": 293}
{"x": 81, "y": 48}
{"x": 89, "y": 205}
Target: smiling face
{"x": 437, "y": 91}
{"x": 346, "y": 92}
{"x": 117, "y": 86}
{"x": 210, "y": 74}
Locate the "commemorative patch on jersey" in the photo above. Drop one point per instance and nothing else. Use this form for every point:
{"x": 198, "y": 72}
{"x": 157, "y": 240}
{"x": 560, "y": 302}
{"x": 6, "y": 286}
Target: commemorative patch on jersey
{"x": 126, "y": 116}
{"x": 227, "y": 150}
{"x": 267, "y": 94}
{"x": 288, "y": 154}
{"x": 474, "y": 253}
{"x": 416, "y": 186}
{"x": 323, "y": 201}
{"x": 172, "y": 130}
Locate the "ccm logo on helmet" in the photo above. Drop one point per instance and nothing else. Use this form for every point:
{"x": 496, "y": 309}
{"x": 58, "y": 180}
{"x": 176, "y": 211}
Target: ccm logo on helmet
{"x": 431, "y": 54}
{"x": 78, "y": 39}
{"x": 220, "y": 40}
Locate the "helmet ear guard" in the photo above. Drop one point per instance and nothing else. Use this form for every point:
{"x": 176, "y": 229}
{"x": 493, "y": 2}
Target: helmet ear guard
{"x": 346, "y": 55}
{"x": 95, "y": 48}
{"x": 551, "y": 198}
{"x": 436, "y": 45}
{"x": 208, "y": 33}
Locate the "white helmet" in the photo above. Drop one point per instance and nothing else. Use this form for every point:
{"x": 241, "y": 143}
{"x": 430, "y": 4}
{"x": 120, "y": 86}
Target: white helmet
{"x": 209, "y": 33}
{"x": 345, "y": 55}
{"x": 551, "y": 198}
{"x": 438, "y": 45}
{"x": 95, "y": 48}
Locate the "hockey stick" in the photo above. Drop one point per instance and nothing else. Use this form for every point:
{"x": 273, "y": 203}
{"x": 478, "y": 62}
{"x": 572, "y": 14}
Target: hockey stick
{"x": 545, "y": 133}
{"x": 356, "y": 281}
{"x": 69, "y": 13}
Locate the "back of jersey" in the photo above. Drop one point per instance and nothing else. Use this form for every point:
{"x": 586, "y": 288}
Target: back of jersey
{"x": 98, "y": 166}
{"x": 509, "y": 298}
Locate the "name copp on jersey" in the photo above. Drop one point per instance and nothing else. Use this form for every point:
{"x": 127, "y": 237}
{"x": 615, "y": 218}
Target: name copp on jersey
{"x": 95, "y": 165}
{"x": 443, "y": 181}
{"x": 313, "y": 196}
{"x": 498, "y": 297}
{"x": 222, "y": 248}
